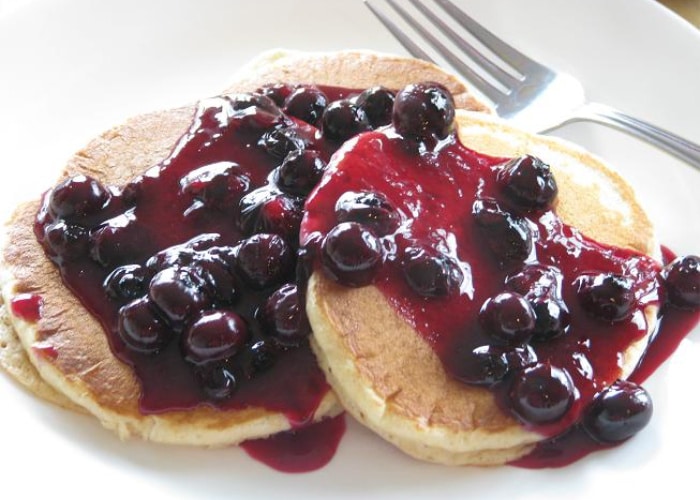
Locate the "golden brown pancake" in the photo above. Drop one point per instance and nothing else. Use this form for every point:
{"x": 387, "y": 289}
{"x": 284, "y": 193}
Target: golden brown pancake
{"x": 67, "y": 347}
{"x": 388, "y": 376}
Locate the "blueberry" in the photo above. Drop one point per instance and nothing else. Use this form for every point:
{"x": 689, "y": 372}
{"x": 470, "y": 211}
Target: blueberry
{"x": 217, "y": 185}
{"x": 178, "y": 294}
{"x": 351, "y": 254}
{"x": 618, "y": 413}
{"x": 284, "y": 316}
{"x": 119, "y": 241}
{"x": 535, "y": 281}
{"x": 606, "y": 296}
{"x": 215, "y": 275}
{"x": 268, "y": 210}
{"x": 342, "y": 120}
{"x": 278, "y": 92}
{"x": 281, "y": 141}
{"x": 369, "y": 208}
{"x": 300, "y": 172}
{"x": 265, "y": 260}
{"x": 431, "y": 275}
{"x": 126, "y": 282}
{"x": 68, "y": 241}
{"x": 484, "y": 365}
{"x": 541, "y": 394}
{"x": 141, "y": 327}
{"x": 552, "y": 318}
{"x": 509, "y": 237}
{"x": 215, "y": 335}
{"x": 528, "y": 182}
{"x": 682, "y": 281}
{"x": 306, "y": 103}
{"x": 262, "y": 356}
{"x": 77, "y": 197}
{"x": 256, "y": 112}
{"x": 508, "y": 317}
{"x": 218, "y": 380}
{"x": 377, "y": 103}
{"x": 423, "y": 111}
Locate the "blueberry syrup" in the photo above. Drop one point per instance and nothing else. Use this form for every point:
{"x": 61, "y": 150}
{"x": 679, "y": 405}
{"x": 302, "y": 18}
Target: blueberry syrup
{"x": 178, "y": 263}
{"x": 27, "y": 306}
{"x": 302, "y": 450}
{"x": 538, "y": 312}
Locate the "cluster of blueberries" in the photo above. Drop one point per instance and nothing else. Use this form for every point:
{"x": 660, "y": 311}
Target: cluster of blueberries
{"x": 192, "y": 291}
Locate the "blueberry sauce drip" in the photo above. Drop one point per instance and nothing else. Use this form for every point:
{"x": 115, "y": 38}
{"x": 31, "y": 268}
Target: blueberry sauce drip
{"x": 299, "y": 450}
{"x": 538, "y": 312}
{"x": 185, "y": 265}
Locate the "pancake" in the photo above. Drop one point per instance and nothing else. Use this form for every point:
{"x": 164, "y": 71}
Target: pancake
{"x": 71, "y": 360}
{"x": 386, "y": 373}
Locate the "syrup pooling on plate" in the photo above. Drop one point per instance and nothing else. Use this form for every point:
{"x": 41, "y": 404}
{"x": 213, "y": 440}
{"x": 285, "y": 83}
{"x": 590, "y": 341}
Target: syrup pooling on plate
{"x": 469, "y": 250}
{"x": 190, "y": 267}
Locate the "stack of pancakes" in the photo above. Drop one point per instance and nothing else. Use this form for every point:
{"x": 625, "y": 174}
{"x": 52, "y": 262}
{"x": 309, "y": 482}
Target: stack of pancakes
{"x": 439, "y": 420}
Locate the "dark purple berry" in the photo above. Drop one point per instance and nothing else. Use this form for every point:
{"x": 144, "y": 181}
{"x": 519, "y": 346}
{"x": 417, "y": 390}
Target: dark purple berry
{"x": 306, "y": 103}
{"x": 215, "y": 274}
{"x": 269, "y": 211}
{"x": 528, "y": 182}
{"x": 618, "y": 413}
{"x": 507, "y": 236}
{"x": 68, "y": 241}
{"x": 682, "y": 280}
{"x": 541, "y": 394}
{"x": 255, "y": 112}
{"x": 214, "y": 336}
{"x": 119, "y": 241}
{"x": 265, "y": 260}
{"x": 351, "y": 254}
{"x": 175, "y": 256}
{"x": 262, "y": 356}
{"x": 247, "y": 100}
{"x": 535, "y": 281}
{"x": 279, "y": 142}
{"x": 368, "y": 208}
{"x": 342, "y": 120}
{"x": 552, "y": 318}
{"x": 126, "y": 282}
{"x": 423, "y": 111}
{"x": 281, "y": 215}
{"x": 217, "y": 185}
{"x": 606, "y": 296}
{"x": 278, "y": 92}
{"x": 77, "y": 197}
{"x": 377, "y": 103}
{"x": 508, "y": 317}
{"x": 520, "y": 357}
{"x": 300, "y": 172}
{"x": 177, "y": 294}
{"x": 217, "y": 380}
{"x": 484, "y": 365}
{"x": 284, "y": 316}
{"x": 141, "y": 328}
{"x": 431, "y": 275}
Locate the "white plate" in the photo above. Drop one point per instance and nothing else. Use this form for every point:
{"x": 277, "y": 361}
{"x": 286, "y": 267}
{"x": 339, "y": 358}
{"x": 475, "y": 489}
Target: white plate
{"x": 70, "y": 69}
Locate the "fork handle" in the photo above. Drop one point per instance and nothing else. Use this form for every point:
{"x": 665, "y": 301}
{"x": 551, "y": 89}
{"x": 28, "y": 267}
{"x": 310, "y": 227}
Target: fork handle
{"x": 663, "y": 139}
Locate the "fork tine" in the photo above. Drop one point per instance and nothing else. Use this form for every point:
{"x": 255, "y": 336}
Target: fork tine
{"x": 488, "y": 89}
{"x": 404, "y": 39}
{"x": 509, "y": 54}
{"x": 495, "y": 71}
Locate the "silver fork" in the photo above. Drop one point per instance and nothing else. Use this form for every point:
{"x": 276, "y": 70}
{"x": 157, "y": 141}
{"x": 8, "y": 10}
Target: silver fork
{"x": 525, "y": 92}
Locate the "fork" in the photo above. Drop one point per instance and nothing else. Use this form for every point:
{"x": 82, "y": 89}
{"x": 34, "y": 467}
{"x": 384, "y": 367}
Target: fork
{"x": 523, "y": 91}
